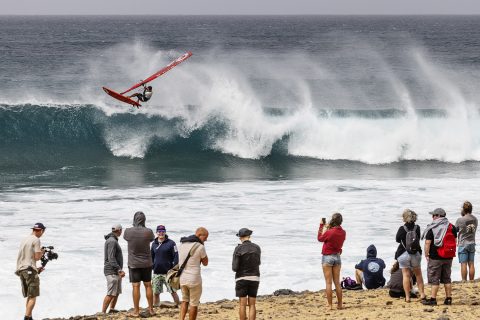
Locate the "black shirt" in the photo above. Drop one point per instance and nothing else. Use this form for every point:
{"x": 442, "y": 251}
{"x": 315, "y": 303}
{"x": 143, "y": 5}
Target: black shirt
{"x": 402, "y": 238}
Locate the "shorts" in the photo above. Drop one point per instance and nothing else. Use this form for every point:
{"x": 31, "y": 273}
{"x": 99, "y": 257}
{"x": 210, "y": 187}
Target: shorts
{"x": 244, "y": 288}
{"x": 466, "y": 253}
{"x": 140, "y": 274}
{"x": 30, "y": 283}
{"x": 331, "y": 260}
{"x": 191, "y": 294}
{"x": 406, "y": 260}
{"x": 439, "y": 271}
{"x": 158, "y": 281}
{"x": 114, "y": 285}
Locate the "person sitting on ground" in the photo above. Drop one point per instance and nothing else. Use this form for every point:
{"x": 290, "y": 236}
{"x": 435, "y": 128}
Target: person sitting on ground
{"x": 333, "y": 236}
{"x": 409, "y": 253}
{"x": 145, "y": 96}
{"x": 164, "y": 257}
{"x": 370, "y": 271}
{"x": 395, "y": 284}
{"x": 467, "y": 227}
{"x": 113, "y": 268}
{"x": 246, "y": 264}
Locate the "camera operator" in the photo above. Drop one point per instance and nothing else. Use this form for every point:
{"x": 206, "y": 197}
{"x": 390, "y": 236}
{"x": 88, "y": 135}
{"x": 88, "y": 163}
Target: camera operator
{"x": 29, "y": 253}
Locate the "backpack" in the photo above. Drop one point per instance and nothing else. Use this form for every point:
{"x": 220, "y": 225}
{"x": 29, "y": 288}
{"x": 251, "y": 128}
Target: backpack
{"x": 350, "y": 284}
{"x": 449, "y": 246}
{"x": 173, "y": 275}
{"x": 412, "y": 241}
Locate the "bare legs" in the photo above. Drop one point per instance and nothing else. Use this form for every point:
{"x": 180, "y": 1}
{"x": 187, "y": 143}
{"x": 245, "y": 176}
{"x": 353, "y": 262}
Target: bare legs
{"x": 471, "y": 270}
{"x": 192, "y": 311}
{"x": 419, "y": 276}
{"x": 156, "y": 299}
{"x": 136, "y": 297}
{"x": 252, "y": 310}
{"x": 358, "y": 276}
{"x": 406, "y": 283}
{"x": 109, "y": 300}
{"x": 30, "y": 304}
{"x": 332, "y": 274}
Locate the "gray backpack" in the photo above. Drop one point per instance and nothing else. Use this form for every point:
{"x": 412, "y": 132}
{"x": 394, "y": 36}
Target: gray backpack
{"x": 412, "y": 241}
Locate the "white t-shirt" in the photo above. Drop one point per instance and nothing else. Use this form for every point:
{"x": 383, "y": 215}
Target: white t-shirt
{"x": 26, "y": 253}
{"x": 191, "y": 275}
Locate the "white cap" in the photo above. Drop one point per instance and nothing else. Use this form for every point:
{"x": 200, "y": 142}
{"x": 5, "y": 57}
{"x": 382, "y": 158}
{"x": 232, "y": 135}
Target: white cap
{"x": 117, "y": 227}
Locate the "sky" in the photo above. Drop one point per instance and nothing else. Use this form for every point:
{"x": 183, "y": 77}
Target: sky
{"x": 206, "y": 7}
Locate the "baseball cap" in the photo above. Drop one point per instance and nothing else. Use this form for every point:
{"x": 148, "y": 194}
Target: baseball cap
{"x": 38, "y": 226}
{"x": 438, "y": 212}
{"x": 244, "y": 232}
{"x": 161, "y": 228}
{"x": 117, "y": 227}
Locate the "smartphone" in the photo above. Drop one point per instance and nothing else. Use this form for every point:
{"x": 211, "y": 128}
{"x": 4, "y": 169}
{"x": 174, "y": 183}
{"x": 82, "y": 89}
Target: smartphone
{"x": 324, "y": 220}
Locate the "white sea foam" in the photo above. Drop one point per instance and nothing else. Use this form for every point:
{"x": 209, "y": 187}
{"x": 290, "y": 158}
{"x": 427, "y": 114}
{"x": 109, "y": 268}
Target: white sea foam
{"x": 283, "y": 214}
{"x": 260, "y": 98}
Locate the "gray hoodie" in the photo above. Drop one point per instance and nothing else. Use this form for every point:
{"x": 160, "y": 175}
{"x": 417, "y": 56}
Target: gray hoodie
{"x": 113, "y": 257}
{"x": 138, "y": 239}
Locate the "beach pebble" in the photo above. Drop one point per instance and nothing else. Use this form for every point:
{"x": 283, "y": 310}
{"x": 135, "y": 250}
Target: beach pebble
{"x": 227, "y": 306}
{"x": 389, "y": 303}
{"x": 428, "y": 310}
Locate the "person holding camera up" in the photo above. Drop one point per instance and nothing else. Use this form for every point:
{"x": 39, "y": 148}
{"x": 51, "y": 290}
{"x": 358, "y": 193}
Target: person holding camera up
{"x": 333, "y": 236}
{"x": 29, "y": 253}
{"x": 113, "y": 268}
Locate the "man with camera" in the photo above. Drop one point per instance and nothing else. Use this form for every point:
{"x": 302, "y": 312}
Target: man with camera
{"x": 29, "y": 253}
{"x": 113, "y": 268}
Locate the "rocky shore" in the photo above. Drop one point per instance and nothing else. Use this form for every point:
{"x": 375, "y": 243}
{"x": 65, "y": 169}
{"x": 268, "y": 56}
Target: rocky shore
{"x": 373, "y": 304}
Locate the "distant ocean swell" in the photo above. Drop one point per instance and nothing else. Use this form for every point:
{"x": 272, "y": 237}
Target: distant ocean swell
{"x": 375, "y": 137}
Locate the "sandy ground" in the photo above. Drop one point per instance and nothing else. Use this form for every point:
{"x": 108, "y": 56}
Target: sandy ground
{"x": 372, "y": 304}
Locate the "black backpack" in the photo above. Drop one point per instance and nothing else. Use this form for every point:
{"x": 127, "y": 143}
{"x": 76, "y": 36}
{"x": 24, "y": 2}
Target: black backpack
{"x": 412, "y": 241}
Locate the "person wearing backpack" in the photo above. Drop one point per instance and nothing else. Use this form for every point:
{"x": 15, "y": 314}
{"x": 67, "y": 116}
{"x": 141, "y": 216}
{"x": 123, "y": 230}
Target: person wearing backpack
{"x": 440, "y": 248}
{"x": 409, "y": 253}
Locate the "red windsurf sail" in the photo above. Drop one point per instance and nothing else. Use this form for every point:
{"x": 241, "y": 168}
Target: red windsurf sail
{"x": 118, "y": 96}
{"x": 160, "y": 72}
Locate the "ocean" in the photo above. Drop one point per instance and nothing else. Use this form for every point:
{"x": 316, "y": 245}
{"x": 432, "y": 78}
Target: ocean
{"x": 272, "y": 124}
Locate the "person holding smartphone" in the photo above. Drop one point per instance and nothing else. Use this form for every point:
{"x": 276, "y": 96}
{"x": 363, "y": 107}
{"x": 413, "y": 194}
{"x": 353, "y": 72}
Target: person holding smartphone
{"x": 333, "y": 236}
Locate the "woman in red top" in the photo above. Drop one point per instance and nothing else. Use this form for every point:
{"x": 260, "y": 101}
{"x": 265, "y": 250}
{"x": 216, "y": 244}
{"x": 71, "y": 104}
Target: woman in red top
{"x": 332, "y": 235}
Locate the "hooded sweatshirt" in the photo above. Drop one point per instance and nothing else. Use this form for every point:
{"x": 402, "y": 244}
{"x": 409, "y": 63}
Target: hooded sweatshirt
{"x": 138, "y": 238}
{"x": 191, "y": 275}
{"x": 372, "y": 269}
{"x": 113, "y": 257}
{"x": 164, "y": 255}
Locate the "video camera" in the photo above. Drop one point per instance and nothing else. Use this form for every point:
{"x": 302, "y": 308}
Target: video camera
{"x": 48, "y": 255}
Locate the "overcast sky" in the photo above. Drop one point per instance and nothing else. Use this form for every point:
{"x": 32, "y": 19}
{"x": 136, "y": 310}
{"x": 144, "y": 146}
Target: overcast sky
{"x": 202, "y": 7}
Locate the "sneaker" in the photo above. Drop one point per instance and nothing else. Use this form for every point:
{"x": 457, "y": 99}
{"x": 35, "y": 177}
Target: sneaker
{"x": 448, "y": 301}
{"x": 430, "y": 302}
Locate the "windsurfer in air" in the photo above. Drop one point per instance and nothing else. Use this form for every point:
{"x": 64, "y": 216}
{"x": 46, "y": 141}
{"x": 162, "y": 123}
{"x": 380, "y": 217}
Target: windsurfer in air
{"x": 145, "y": 96}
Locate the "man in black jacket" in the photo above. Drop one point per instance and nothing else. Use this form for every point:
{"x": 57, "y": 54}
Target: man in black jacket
{"x": 113, "y": 268}
{"x": 246, "y": 264}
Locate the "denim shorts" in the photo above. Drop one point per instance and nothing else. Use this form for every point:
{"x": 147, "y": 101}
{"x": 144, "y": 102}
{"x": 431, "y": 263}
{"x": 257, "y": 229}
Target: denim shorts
{"x": 466, "y": 253}
{"x": 331, "y": 260}
{"x": 406, "y": 260}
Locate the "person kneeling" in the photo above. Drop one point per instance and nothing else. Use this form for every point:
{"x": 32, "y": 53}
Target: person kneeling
{"x": 370, "y": 271}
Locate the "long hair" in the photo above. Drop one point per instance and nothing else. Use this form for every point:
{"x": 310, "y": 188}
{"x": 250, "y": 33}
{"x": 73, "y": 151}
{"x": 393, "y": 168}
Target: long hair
{"x": 336, "y": 220}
